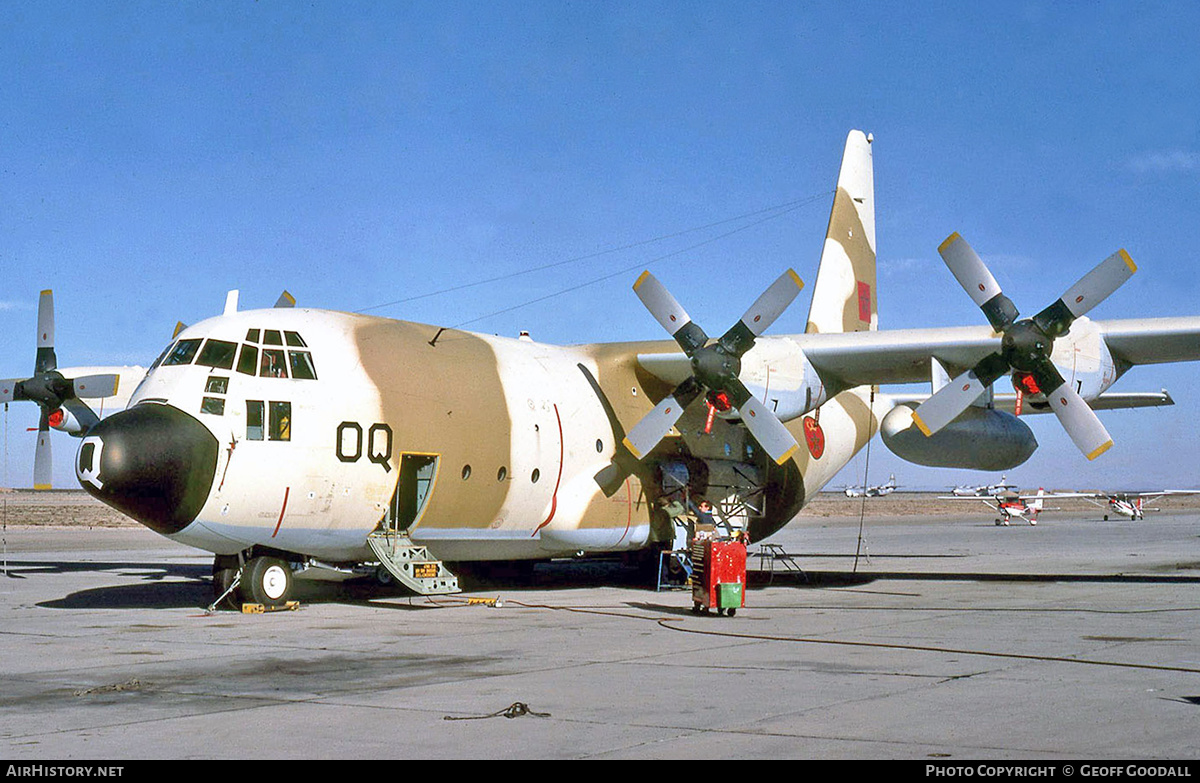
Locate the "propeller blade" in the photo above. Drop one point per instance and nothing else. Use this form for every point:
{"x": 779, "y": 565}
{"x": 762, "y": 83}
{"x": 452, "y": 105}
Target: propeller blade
{"x": 763, "y": 424}
{"x": 1080, "y": 421}
{"x": 668, "y": 312}
{"x": 771, "y": 304}
{"x": 768, "y": 430}
{"x": 42, "y": 458}
{"x": 285, "y": 300}
{"x": 954, "y": 398}
{"x": 8, "y": 389}
{"x": 91, "y": 386}
{"x": 975, "y": 278}
{"x": 1092, "y": 289}
{"x": 1098, "y": 284}
{"x": 46, "y": 359}
{"x": 949, "y": 401}
{"x": 655, "y": 425}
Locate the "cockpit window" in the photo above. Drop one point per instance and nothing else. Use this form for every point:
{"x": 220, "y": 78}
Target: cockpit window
{"x": 271, "y": 337}
{"x": 294, "y": 339}
{"x": 302, "y": 365}
{"x": 182, "y": 353}
{"x": 248, "y": 361}
{"x": 252, "y": 336}
{"x": 161, "y": 356}
{"x": 218, "y": 353}
{"x": 272, "y": 364}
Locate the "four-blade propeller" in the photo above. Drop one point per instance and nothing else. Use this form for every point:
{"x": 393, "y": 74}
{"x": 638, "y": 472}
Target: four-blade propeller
{"x": 53, "y": 392}
{"x": 1025, "y": 346}
{"x": 715, "y": 367}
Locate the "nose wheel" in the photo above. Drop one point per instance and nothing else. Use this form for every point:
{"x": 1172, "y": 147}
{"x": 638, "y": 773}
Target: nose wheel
{"x": 261, "y": 580}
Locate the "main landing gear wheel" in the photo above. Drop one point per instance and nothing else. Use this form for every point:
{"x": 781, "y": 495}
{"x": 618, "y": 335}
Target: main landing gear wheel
{"x": 267, "y": 581}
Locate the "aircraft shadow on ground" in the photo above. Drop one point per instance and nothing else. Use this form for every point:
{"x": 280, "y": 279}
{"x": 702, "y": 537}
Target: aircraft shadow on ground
{"x": 818, "y": 579}
{"x": 181, "y": 586}
{"x": 159, "y": 586}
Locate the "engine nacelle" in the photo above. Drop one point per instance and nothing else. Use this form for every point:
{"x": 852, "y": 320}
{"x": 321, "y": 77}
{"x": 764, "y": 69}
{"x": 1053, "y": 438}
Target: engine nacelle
{"x": 980, "y": 439}
{"x": 64, "y": 421}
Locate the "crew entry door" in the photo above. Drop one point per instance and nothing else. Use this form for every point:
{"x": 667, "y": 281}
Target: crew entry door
{"x": 418, "y": 472}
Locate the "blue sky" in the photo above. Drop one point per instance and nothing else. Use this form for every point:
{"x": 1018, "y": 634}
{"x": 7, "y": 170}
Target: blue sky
{"x": 155, "y": 155}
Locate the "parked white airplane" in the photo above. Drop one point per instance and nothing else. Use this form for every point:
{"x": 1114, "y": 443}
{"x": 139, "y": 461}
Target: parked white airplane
{"x": 968, "y": 491}
{"x": 295, "y": 441}
{"x": 1127, "y": 504}
{"x": 1009, "y": 505}
{"x": 873, "y": 492}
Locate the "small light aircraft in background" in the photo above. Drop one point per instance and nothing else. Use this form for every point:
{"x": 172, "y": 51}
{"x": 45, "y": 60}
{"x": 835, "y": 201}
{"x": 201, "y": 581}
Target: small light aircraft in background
{"x": 984, "y": 490}
{"x": 872, "y": 492}
{"x": 1010, "y": 505}
{"x": 1127, "y": 504}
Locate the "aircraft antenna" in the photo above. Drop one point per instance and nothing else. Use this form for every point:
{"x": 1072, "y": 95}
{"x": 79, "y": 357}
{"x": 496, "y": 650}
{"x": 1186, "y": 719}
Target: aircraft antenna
{"x": 642, "y": 265}
{"x": 862, "y": 509}
{"x": 775, "y": 211}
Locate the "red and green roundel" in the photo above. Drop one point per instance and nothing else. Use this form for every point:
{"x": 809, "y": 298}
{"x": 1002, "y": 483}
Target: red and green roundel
{"x": 814, "y": 436}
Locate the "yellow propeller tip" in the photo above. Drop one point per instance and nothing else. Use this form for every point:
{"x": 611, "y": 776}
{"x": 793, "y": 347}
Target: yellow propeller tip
{"x": 1100, "y": 450}
{"x": 948, "y": 241}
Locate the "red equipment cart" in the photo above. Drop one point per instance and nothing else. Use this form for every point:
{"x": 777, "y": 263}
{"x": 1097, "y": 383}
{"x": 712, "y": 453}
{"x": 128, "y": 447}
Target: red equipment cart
{"x": 718, "y": 576}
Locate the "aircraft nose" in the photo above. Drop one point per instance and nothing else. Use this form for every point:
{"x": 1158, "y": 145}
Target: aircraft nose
{"x": 152, "y": 462}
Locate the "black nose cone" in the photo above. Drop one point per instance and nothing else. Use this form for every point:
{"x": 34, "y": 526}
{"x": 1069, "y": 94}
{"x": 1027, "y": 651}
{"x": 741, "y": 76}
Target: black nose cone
{"x": 152, "y": 462}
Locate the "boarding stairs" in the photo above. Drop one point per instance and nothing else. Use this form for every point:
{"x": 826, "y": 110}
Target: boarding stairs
{"x": 411, "y": 564}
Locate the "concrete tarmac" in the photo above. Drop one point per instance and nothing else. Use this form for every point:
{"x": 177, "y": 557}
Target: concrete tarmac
{"x": 945, "y": 638}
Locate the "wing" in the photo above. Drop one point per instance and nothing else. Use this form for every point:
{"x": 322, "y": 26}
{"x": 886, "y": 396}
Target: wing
{"x": 895, "y": 356}
{"x": 903, "y": 355}
{"x": 983, "y": 500}
{"x": 1107, "y": 401}
{"x": 898, "y": 356}
{"x": 1153, "y": 340}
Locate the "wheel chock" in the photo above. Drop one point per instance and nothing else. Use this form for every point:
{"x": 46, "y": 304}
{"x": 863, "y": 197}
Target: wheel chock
{"x": 259, "y": 609}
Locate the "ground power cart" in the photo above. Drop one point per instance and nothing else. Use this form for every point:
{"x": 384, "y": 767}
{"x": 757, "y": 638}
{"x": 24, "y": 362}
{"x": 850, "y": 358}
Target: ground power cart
{"x": 718, "y": 576}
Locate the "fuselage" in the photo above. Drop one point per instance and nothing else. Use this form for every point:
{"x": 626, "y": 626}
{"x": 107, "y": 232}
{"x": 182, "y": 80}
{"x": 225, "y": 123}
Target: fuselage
{"x": 301, "y": 431}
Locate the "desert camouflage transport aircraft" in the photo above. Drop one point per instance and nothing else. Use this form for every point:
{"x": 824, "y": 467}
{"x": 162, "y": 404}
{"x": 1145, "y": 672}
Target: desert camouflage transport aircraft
{"x": 300, "y": 442}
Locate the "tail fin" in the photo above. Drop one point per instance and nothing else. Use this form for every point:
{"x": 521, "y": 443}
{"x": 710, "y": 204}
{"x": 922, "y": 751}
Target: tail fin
{"x": 844, "y": 294}
{"x": 1037, "y": 504}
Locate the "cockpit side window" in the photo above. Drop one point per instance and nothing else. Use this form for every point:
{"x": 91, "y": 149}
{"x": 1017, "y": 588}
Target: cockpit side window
{"x": 295, "y": 340}
{"x": 182, "y": 353}
{"x": 252, "y": 336}
{"x": 302, "y": 365}
{"x": 161, "y": 356}
{"x": 271, "y": 337}
{"x": 218, "y": 353}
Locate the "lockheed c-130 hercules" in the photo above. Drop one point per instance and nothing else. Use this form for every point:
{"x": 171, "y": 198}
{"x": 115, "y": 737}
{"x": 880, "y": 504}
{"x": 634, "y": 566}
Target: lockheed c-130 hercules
{"x": 292, "y": 441}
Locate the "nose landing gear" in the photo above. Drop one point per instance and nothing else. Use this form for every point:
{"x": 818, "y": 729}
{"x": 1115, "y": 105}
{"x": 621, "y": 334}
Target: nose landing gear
{"x": 262, "y": 580}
